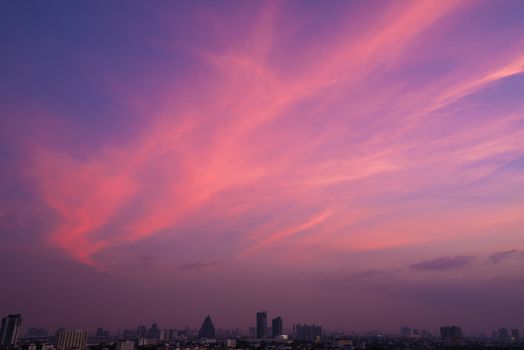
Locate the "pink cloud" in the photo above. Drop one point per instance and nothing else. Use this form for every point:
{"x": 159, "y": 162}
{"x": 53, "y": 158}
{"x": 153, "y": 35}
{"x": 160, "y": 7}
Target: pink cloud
{"x": 331, "y": 138}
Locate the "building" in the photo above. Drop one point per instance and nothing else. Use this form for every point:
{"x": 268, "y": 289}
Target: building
{"x": 129, "y": 333}
{"x": 405, "y": 331}
{"x": 277, "y": 327}
{"x": 102, "y": 333}
{"x": 252, "y": 332}
{"x": 425, "y": 333}
{"x": 141, "y": 332}
{"x": 308, "y": 332}
{"x": 125, "y": 345}
{"x": 230, "y": 343}
{"x": 451, "y": 333}
{"x": 261, "y": 325}
{"x": 70, "y": 339}
{"x": 36, "y": 333}
{"x": 10, "y": 329}
{"x": 207, "y": 330}
{"x": 503, "y": 334}
{"x": 515, "y": 334}
{"x": 154, "y": 331}
{"x": 344, "y": 343}
{"x": 168, "y": 334}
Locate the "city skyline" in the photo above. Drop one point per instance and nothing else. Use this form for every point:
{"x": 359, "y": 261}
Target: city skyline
{"x": 357, "y": 165}
{"x": 11, "y": 325}
{"x": 11, "y": 330}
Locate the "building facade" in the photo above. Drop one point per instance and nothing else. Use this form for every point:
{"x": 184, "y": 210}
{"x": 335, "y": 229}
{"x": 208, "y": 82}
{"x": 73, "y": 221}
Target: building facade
{"x": 261, "y": 325}
{"x": 10, "y": 330}
{"x": 277, "y": 327}
{"x": 70, "y": 339}
{"x": 308, "y": 332}
{"x": 207, "y": 330}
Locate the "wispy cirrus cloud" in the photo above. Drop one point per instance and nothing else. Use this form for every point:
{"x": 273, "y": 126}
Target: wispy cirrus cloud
{"x": 340, "y": 140}
{"x": 501, "y": 256}
{"x": 197, "y": 265}
{"x": 444, "y": 263}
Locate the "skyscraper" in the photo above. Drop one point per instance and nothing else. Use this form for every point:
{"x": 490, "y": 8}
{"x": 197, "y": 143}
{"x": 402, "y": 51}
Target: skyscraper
{"x": 102, "y": 333}
{"x": 125, "y": 345}
{"x": 405, "y": 331}
{"x": 10, "y": 329}
{"x": 515, "y": 334}
{"x": 70, "y": 339}
{"x": 503, "y": 334}
{"x": 308, "y": 333}
{"x": 451, "y": 333}
{"x": 277, "y": 327}
{"x": 142, "y": 331}
{"x": 262, "y": 324}
{"x": 207, "y": 330}
{"x": 154, "y": 331}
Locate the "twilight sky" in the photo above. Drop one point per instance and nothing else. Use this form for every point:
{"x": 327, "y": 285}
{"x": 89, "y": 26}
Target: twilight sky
{"x": 358, "y": 164}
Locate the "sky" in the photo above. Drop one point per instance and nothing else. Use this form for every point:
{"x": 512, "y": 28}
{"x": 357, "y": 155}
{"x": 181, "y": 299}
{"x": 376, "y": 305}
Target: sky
{"x": 354, "y": 164}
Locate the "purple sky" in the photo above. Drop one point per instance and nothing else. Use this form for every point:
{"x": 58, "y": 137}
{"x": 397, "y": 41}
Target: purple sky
{"x": 357, "y": 164}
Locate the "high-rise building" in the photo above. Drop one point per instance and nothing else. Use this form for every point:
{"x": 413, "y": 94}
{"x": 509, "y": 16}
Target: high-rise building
{"x": 252, "y": 332}
{"x": 165, "y": 335}
{"x": 405, "y": 331}
{"x": 142, "y": 331}
{"x": 262, "y": 324}
{"x": 10, "y": 329}
{"x": 70, "y": 339}
{"x": 129, "y": 333}
{"x": 154, "y": 331}
{"x": 207, "y": 330}
{"x": 451, "y": 333}
{"x": 277, "y": 327}
{"x": 230, "y": 343}
{"x": 515, "y": 334}
{"x": 503, "y": 334}
{"x": 102, "y": 333}
{"x": 425, "y": 333}
{"x": 36, "y": 333}
{"x": 308, "y": 333}
{"x": 125, "y": 345}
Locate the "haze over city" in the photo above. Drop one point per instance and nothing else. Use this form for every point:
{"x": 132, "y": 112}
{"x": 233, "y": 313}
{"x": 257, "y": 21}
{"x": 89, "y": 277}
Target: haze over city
{"x": 353, "y": 164}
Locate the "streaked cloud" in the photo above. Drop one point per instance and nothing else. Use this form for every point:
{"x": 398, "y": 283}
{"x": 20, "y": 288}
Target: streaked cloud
{"x": 444, "y": 263}
{"x": 501, "y": 256}
{"x": 342, "y": 142}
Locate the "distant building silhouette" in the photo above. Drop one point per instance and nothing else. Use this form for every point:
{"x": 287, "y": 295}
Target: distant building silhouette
{"x": 70, "y": 339}
{"x": 36, "y": 333}
{"x": 515, "y": 334}
{"x": 207, "y": 330}
{"x": 277, "y": 327}
{"x": 129, "y": 333}
{"x": 451, "y": 333}
{"x": 252, "y": 332}
{"x": 10, "y": 329}
{"x": 262, "y": 324}
{"x": 308, "y": 333}
{"x": 125, "y": 345}
{"x": 142, "y": 331}
{"x": 102, "y": 333}
{"x": 503, "y": 335}
{"x": 405, "y": 331}
{"x": 154, "y": 331}
{"x": 168, "y": 334}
